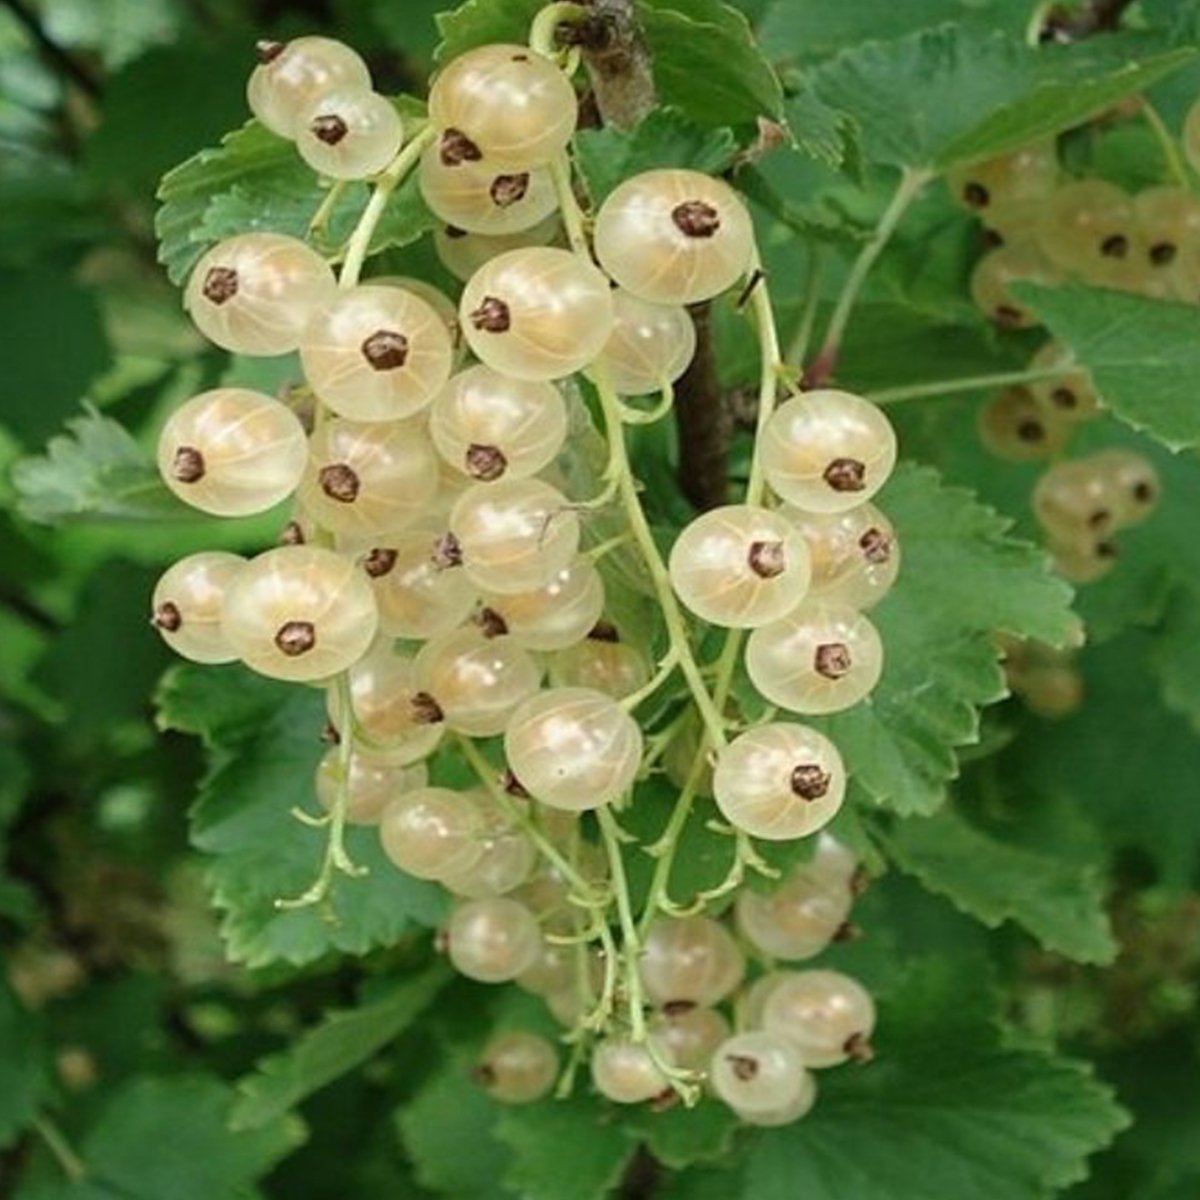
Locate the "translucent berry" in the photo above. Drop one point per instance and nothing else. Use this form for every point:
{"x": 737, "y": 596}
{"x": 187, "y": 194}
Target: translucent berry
{"x": 1017, "y": 262}
{"x": 828, "y": 1016}
{"x": 690, "y": 1034}
{"x": 1013, "y": 426}
{"x": 187, "y": 601}
{"x": 1135, "y": 480}
{"x": 476, "y": 195}
{"x": 517, "y": 1067}
{"x": 827, "y": 451}
{"x": 1026, "y": 174}
{"x": 371, "y": 785}
{"x": 1087, "y": 227}
{"x": 1167, "y": 224}
{"x": 682, "y": 753}
{"x": 350, "y": 133}
{"x": 650, "y": 345}
{"x": 690, "y": 961}
{"x": 855, "y": 554}
{"x": 431, "y": 832}
{"x": 822, "y": 658}
{"x": 1070, "y": 397}
{"x": 553, "y": 617}
{"x": 492, "y": 940}
{"x": 463, "y": 253}
{"x": 625, "y": 1072}
{"x": 758, "y": 1072}
{"x": 1083, "y": 559}
{"x": 674, "y": 236}
{"x": 507, "y": 859}
{"x": 799, "y": 919}
{"x": 616, "y": 668}
{"x": 290, "y": 76}
{"x": 1076, "y": 500}
{"x": 299, "y": 613}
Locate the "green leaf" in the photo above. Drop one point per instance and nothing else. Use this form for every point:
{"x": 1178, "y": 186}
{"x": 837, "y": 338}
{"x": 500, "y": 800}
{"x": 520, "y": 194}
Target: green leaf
{"x": 1143, "y": 354}
{"x": 947, "y": 1109}
{"x": 706, "y": 62}
{"x": 678, "y": 1137}
{"x": 822, "y": 132}
{"x": 947, "y": 95}
{"x": 24, "y": 1066}
{"x": 1059, "y": 903}
{"x": 160, "y": 1137}
{"x": 263, "y": 745}
{"x": 342, "y": 1041}
{"x": 545, "y": 1137}
{"x": 94, "y": 470}
{"x": 479, "y": 22}
{"x": 1175, "y": 654}
{"x": 666, "y": 138}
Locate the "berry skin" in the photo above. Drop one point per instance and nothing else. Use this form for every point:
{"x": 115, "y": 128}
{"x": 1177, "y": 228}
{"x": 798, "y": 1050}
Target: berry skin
{"x": 822, "y": 658}
{"x": 617, "y": 669}
{"x": 1136, "y": 483}
{"x": 827, "y": 451}
{"x": 255, "y": 293}
{"x": 372, "y": 785}
{"x": 796, "y": 921}
{"x": 855, "y": 554}
{"x": 1011, "y": 263}
{"x": 366, "y": 479}
{"x": 515, "y": 535}
{"x": 690, "y": 1035}
{"x": 463, "y": 253}
{"x": 827, "y": 1016}
{"x": 488, "y": 426}
{"x": 682, "y": 752}
{"x": 377, "y": 353}
{"x": 674, "y": 236}
{"x": 291, "y": 76}
{"x": 493, "y": 940}
{"x": 517, "y": 1067}
{"x": 554, "y": 617}
{"x": 625, "y": 1072}
{"x": 1027, "y": 174}
{"x": 779, "y": 781}
{"x": 690, "y": 961}
{"x": 1013, "y": 426}
{"x": 1084, "y": 559}
{"x": 299, "y": 613}
{"x": 1075, "y": 500}
{"x": 186, "y": 605}
{"x": 537, "y": 313}
{"x": 1167, "y": 225}
{"x": 572, "y": 748}
{"x": 758, "y": 1072}
{"x": 1087, "y": 227}
{"x": 650, "y": 345}
{"x": 740, "y": 566}
{"x": 351, "y": 133}
{"x": 232, "y": 452}
{"x": 476, "y": 681}
{"x": 1068, "y": 398}
{"x": 481, "y": 198}
{"x": 507, "y": 104}
{"x": 507, "y": 859}
{"x": 431, "y": 832}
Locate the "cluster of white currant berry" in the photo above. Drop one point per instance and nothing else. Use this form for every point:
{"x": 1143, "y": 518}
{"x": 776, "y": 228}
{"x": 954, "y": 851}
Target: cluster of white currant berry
{"x": 1046, "y": 231}
{"x": 436, "y": 569}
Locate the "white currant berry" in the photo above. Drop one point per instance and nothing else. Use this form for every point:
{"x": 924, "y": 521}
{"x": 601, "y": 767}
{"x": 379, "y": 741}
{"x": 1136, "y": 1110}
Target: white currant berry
{"x": 683, "y": 750}
{"x": 445, "y": 308}
{"x": 821, "y": 658}
{"x": 476, "y": 681}
{"x": 290, "y": 76}
{"x": 368, "y": 478}
{"x": 299, "y": 613}
{"x": 828, "y": 1016}
{"x": 674, "y": 236}
{"x": 779, "y": 781}
{"x": 377, "y": 353}
{"x": 1083, "y": 559}
{"x": 463, "y": 253}
{"x": 475, "y": 195}
{"x": 751, "y": 999}
{"x": 1013, "y": 426}
{"x": 690, "y": 1035}
{"x": 505, "y": 104}
{"x": 537, "y": 313}
{"x": 1135, "y": 480}
{"x": 602, "y": 663}
{"x": 650, "y": 346}
{"x": 1087, "y": 226}
{"x": 489, "y": 426}
{"x": 370, "y": 786}
{"x": 255, "y": 293}
{"x": 391, "y": 716}
{"x": 1070, "y": 397}
{"x": 492, "y": 940}
{"x": 514, "y": 535}
{"x": 553, "y": 617}
{"x": 1074, "y": 500}
{"x": 517, "y": 1067}
{"x": 349, "y": 133}
{"x": 740, "y": 566}
{"x": 431, "y": 832}
{"x": 1016, "y": 262}
{"x": 573, "y": 748}
{"x": 758, "y": 1072}
{"x": 834, "y": 864}
{"x": 827, "y": 451}
{"x": 799, "y": 919}
{"x": 1026, "y": 174}
{"x": 786, "y": 1114}
{"x": 690, "y": 961}
{"x": 625, "y": 1072}
{"x": 507, "y": 860}
{"x": 232, "y": 452}
{"x": 1167, "y": 223}
{"x": 187, "y": 602}
{"x": 855, "y": 554}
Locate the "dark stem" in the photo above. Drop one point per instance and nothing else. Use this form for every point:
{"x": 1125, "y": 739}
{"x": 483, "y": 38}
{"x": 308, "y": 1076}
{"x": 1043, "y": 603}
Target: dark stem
{"x": 1099, "y": 16}
{"x": 642, "y": 1176}
{"x": 617, "y": 63}
{"x": 66, "y": 63}
{"x": 704, "y": 423}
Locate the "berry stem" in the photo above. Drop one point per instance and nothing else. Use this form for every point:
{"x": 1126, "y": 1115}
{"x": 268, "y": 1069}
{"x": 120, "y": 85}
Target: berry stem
{"x": 666, "y": 669}
{"x": 545, "y": 25}
{"x": 318, "y": 225}
{"x": 73, "y": 1167}
{"x": 391, "y": 178}
{"x": 912, "y": 180}
{"x": 770, "y": 369}
{"x": 970, "y": 383}
{"x": 572, "y": 214}
{"x": 1167, "y": 144}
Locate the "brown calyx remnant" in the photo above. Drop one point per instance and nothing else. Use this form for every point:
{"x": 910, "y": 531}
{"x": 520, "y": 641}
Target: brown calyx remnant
{"x": 485, "y": 463}
{"x": 484, "y": 1074}
{"x": 447, "y": 552}
{"x": 696, "y": 219}
{"x": 677, "y": 1008}
{"x": 492, "y": 316}
{"x": 1030, "y": 430}
{"x": 167, "y": 617}
{"x": 1106, "y": 550}
{"x": 832, "y": 659}
{"x": 292, "y": 534}
{"x": 1064, "y": 397}
{"x": 876, "y": 546}
{"x": 456, "y": 148}
{"x": 267, "y": 51}
{"x": 604, "y": 631}
{"x": 188, "y": 465}
{"x": 858, "y": 1047}
{"x": 330, "y": 735}
{"x": 508, "y": 189}
{"x": 744, "y": 1067}
{"x": 1143, "y": 492}
{"x": 847, "y": 931}
{"x": 1163, "y": 253}
{"x": 294, "y": 638}
{"x": 845, "y": 475}
{"x": 1116, "y": 245}
{"x": 328, "y": 128}
{"x": 512, "y": 785}
{"x": 386, "y": 349}
{"x": 378, "y": 562}
{"x": 220, "y": 284}
{"x": 767, "y": 559}
{"x": 491, "y": 623}
{"x": 809, "y": 782}
{"x": 425, "y": 709}
{"x": 1008, "y": 316}
{"x": 339, "y": 482}
{"x": 976, "y": 195}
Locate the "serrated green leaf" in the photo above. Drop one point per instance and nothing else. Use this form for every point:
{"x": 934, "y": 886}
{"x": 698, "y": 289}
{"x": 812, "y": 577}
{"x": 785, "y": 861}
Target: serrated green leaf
{"x": 607, "y": 156}
{"x": 24, "y": 1066}
{"x": 478, "y": 22}
{"x": 95, "y": 470}
{"x": 261, "y": 762}
{"x": 949, "y": 95}
{"x": 342, "y": 1041}
{"x": 679, "y": 1137}
{"x": 1059, "y": 903}
{"x": 1143, "y": 354}
{"x": 820, "y": 131}
{"x": 946, "y": 1109}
